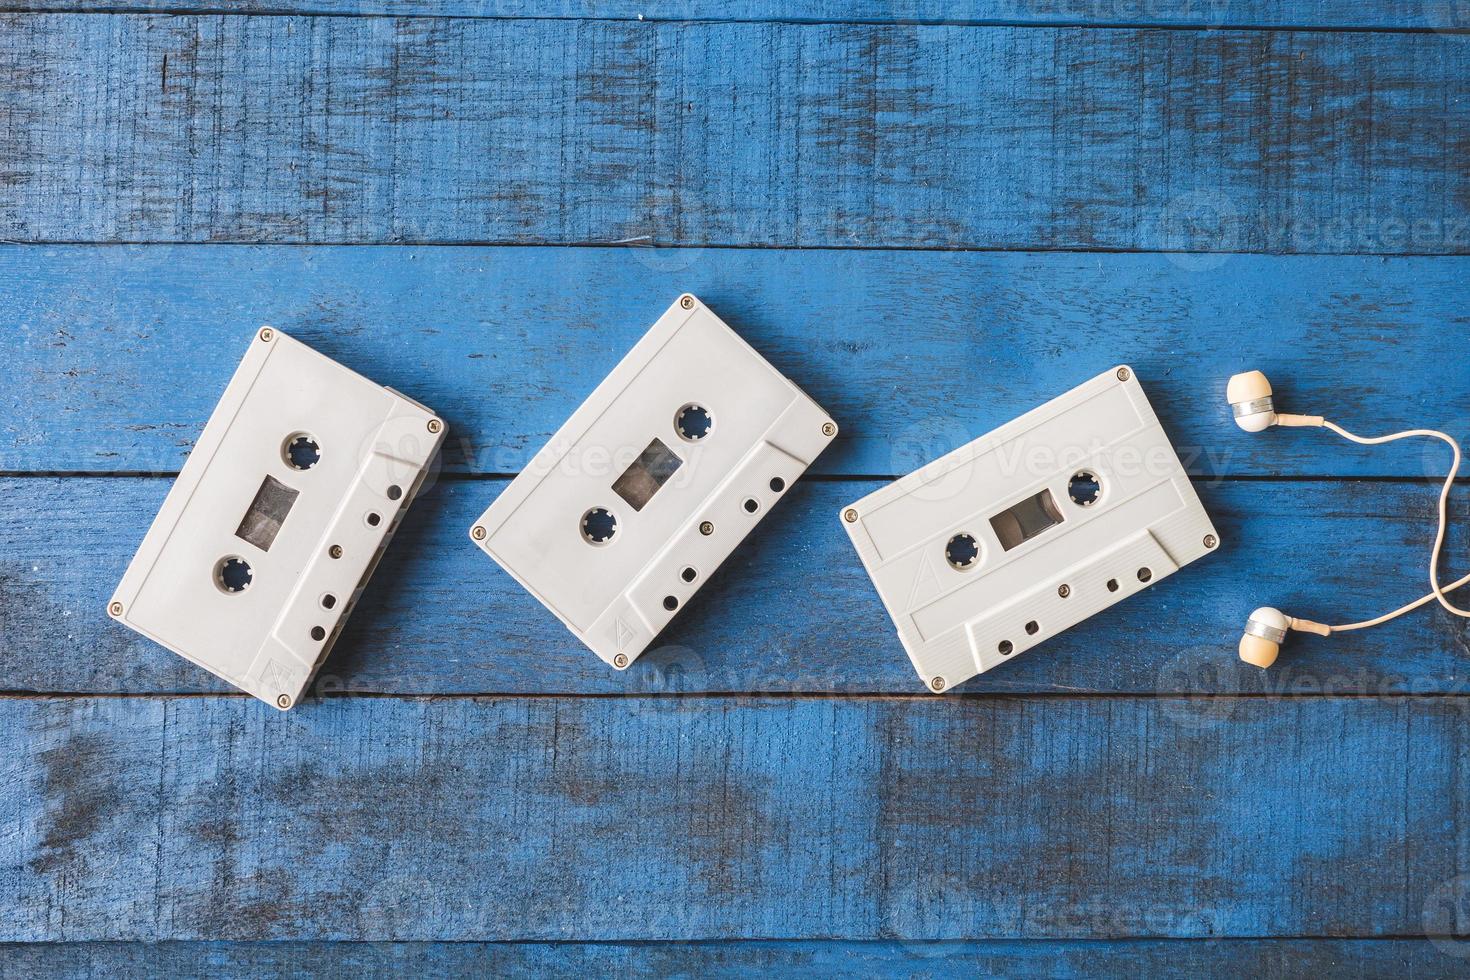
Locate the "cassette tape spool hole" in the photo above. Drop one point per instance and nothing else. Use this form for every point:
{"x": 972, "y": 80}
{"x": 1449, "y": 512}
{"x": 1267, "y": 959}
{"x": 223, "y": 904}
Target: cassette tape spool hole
{"x": 693, "y": 422}
{"x": 1084, "y": 488}
{"x": 233, "y": 575}
{"x": 599, "y": 526}
{"x": 301, "y": 451}
{"x": 962, "y": 551}
{"x": 751, "y": 505}
{"x": 689, "y": 574}
{"x": 777, "y": 484}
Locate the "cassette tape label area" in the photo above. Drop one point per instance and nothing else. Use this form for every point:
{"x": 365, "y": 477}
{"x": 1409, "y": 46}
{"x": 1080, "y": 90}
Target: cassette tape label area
{"x": 653, "y": 481}
{"x": 1030, "y": 529}
{"x": 277, "y": 518}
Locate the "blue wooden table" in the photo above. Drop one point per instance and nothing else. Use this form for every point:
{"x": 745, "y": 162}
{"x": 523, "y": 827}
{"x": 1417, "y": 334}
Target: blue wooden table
{"x": 932, "y": 216}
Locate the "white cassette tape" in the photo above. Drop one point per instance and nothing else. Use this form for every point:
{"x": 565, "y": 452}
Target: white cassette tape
{"x": 278, "y": 518}
{"x": 653, "y": 481}
{"x": 1029, "y": 530}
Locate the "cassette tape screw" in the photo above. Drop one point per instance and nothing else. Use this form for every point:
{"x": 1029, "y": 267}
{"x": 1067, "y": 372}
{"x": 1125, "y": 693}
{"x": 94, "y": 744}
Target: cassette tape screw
{"x": 686, "y": 301}
{"x": 267, "y": 334}
{"x": 828, "y": 429}
{"x": 435, "y": 425}
{"x": 477, "y": 532}
{"x": 1211, "y": 540}
{"x": 335, "y": 551}
{"x": 620, "y": 661}
{"x": 850, "y": 515}
{"x": 284, "y": 701}
{"x": 1123, "y": 374}
{"x": 706, "y": 528}
{"x": 937, "y": 684}
{"x": 115, "y": 609}
{"x": 1064, "y": 590}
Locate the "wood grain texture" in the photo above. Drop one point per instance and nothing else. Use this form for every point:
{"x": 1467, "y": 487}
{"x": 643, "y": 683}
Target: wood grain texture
{"x": 1064, "y": 960}
{"x": 496, "y": 827}
{"x": 216, "y": 818}
{"x": 1334, "y": 14}
{"x": 116, "y": 356}
{"x": 328, "y": 129}
{"x": 792, "y": 609}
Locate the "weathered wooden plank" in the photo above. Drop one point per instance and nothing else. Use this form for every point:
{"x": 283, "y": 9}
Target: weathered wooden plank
{"x": 117, "y": 355}
{"x": 1335, "y": 14}
{"x": 330, "y": 129}
{"x": 633, "y": 819}
{"x": 791, "y": 611}
{"x": 1065, "y": 960}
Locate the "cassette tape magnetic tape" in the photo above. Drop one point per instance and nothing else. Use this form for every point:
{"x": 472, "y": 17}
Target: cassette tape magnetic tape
{"x": 278, "y": 518}
{"x": 1028, "y": 530}
{"x": 653, "y": 481}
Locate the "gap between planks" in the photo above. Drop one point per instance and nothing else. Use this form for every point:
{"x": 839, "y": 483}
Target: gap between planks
{"x": 1205, "y": 481}
{"x": 411, "y": 243}
{"x": 752, "y": 696}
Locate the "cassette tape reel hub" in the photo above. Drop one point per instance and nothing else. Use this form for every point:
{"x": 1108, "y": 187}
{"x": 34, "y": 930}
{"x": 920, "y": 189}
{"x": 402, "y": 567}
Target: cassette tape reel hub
{"x": 653, "y": 481}
{"x": 1024, "y": 532}
{"x": 277, "y": 518}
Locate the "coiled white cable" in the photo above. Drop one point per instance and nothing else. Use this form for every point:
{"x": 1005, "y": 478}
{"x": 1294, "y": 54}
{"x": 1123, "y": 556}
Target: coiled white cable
{"x": 1436, "y": 591}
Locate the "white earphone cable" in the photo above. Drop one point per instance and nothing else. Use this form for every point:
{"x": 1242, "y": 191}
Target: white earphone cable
{"x": 1437, "y": 592}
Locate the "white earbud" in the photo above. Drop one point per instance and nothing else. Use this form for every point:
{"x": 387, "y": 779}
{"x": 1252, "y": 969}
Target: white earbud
{"x": 1249, "y": 395}
{"x": 1251, "y": 400}
{"x": 1265, "y": 631}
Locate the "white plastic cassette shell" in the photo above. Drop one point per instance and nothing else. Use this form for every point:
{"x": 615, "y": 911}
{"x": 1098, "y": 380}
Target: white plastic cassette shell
{"x": 261, "y": 639}
{"x": 612, "y": 597}
{"x": 1147, "y": 523}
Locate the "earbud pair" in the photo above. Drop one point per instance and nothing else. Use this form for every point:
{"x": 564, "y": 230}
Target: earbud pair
{"x": 1253, "y": 404}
